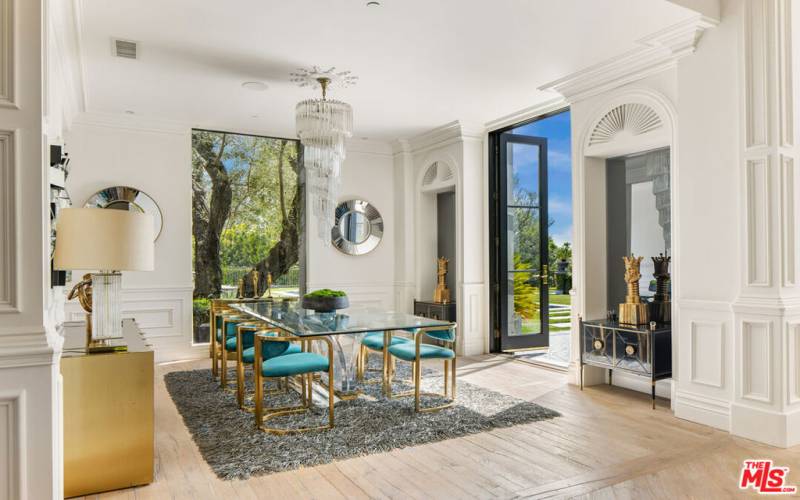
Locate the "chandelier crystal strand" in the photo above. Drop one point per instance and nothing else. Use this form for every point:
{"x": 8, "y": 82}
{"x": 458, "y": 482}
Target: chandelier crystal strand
{"x": 323, "y": 126}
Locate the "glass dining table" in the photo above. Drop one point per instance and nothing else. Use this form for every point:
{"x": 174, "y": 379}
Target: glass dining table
{"x": 346, "y": 328}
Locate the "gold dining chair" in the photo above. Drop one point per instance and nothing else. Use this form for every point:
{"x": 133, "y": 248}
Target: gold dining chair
{"x": 245, "y": 356}
{"x": 303, "y": 365}
{"x": 417, "y": 351}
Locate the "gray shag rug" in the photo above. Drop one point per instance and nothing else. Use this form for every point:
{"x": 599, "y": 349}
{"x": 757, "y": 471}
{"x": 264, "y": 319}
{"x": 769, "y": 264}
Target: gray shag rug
{"x": 235, "y": 449}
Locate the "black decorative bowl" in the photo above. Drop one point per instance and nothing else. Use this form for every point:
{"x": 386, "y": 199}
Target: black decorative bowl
{"x": 325, "y": 304}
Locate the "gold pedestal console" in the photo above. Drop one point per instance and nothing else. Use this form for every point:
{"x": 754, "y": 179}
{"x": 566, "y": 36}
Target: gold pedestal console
{"x": 108, "y": 417}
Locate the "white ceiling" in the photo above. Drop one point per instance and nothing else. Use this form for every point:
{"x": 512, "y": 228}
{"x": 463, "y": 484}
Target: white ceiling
{"x": 420, "y": 63}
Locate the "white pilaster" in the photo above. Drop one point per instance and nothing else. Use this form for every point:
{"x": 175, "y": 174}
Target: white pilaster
{"x": 766, "y": 406}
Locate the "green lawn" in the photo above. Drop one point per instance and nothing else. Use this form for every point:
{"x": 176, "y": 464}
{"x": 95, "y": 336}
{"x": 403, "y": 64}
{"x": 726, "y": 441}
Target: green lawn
{"x": 531, "y": 325}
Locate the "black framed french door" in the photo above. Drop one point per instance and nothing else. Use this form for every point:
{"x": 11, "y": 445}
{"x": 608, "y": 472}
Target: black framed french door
{"x": 519, "y": 256}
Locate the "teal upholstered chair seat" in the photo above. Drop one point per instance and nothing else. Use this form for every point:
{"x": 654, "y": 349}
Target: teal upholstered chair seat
{"x": 408, "y": 352}
{"x": 294, "y": 364}
{"x": 374, "y": 341}
{"x": 250, "y": 353}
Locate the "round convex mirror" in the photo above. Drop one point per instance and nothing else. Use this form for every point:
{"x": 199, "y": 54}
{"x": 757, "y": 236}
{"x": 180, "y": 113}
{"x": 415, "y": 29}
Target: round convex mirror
{"x": 128, "y": 198}
{"x": 358, "y": 227}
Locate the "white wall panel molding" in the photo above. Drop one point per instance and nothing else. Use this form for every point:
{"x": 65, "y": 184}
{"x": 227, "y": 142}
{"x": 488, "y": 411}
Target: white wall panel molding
{"x": 12, "y": 439}
{"x": 9, "y": 273}
{"x": 27, "y": 347}
{"x": 756, "y": 354}
{"x": 159, "y": 311}
{"x": 793, "y": 362}
{"x": 756, "y": 66}
{"x": 8, "y": 73}
{"x": 785, "y": 70}
{"x": 789, "y": 222}
{"x": 708, "y": 348}
{"x": 654, "y": 54}
{"x": 758, "y": 222}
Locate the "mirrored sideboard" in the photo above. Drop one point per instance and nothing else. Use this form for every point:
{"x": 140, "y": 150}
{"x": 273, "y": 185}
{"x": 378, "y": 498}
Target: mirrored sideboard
{"x": 644, "y": 351}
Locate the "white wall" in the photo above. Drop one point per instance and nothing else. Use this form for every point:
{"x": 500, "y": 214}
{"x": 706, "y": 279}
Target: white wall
{"x": 369, "y": 280}
{"x": 707, "y": 190}
{"x": 30, "y": 344}
{"x": 155, "y": 158}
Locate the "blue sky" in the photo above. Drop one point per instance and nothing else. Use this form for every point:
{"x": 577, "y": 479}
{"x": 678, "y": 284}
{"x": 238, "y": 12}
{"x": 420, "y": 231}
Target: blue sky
{"x": 556, "y": 129}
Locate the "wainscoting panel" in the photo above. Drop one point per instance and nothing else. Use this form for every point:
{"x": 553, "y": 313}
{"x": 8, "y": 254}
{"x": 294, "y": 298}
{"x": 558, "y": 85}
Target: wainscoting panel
{"x": 758, "y": 222}
{"x": 10, "y": 439}
{"x": 708, "y": 353}
{"x": 164, "y": 314}
{"x": 756, "y": 352}
{"x": 793, "y": 330}
{"x": 473, "y": 333}
{"x": 8, "y": 236}
{"x": 756, "y": 73}
{"x": 788, "y": 221}
{"x": 704, "y": 352}
{"x": 7, "y": 76}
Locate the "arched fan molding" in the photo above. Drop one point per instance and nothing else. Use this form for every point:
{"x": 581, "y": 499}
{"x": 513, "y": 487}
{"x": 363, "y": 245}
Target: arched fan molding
{"x": 438, "y": 174}
{"x": 430, "y": 174}
{"x": 633, "y": 118}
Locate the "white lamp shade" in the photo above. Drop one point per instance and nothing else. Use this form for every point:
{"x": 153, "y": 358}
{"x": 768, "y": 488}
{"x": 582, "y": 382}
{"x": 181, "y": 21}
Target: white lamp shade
{"x": 104, "y": 239}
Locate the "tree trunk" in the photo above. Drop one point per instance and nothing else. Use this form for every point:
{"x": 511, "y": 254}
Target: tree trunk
{"x": 208, "y": 265}
{"x": 285, "y": 253}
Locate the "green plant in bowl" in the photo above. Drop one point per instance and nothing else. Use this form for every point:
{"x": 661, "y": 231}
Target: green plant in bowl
{"x": 325, "y": 300}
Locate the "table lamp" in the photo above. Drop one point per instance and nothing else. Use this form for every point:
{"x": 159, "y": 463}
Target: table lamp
{"x": 108, "y": 241}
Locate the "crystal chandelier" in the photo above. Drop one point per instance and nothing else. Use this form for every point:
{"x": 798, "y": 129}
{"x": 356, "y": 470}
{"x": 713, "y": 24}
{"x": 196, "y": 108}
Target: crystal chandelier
{"x": 323, "y": 125}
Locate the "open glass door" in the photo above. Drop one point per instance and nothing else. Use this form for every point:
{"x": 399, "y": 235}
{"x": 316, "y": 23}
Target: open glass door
{"x": 521, "y": 242}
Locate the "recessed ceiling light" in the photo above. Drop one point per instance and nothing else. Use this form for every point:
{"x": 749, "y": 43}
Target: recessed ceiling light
{"x": 253, "y": 116}
{"x": 373, "y": 4}
{"x": 129, "y": 112}
{"x": 255, "y": 86}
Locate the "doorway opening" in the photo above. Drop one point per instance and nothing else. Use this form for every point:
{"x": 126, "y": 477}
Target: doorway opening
{"x": 531, "y": 234}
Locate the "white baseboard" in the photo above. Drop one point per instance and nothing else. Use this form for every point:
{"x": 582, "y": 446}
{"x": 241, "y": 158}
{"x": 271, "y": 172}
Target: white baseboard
{"x": 766, "y": 426}
{"x": 703, "y": 409}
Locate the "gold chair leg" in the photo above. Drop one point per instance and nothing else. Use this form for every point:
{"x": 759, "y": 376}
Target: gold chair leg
{"x": 446, "y": 378}
{"x": 259, "y": 395}
{"x": 240, "y": 383}
{"x": 453, "y": 375}
{"x": 417, "y": 370}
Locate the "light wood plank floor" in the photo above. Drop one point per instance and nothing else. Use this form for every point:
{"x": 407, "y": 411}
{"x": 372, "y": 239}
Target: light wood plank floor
{"x": 607, "y": 444}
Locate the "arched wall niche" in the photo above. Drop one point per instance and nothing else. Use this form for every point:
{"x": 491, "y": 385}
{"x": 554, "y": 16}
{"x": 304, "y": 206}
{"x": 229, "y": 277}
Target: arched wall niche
{"x": 630, "y": 120}
{"x": 438, "y": 172}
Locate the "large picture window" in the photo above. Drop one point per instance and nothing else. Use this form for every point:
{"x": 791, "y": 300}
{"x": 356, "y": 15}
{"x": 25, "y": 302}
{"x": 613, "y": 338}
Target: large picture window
{"x": 247, "y": 219}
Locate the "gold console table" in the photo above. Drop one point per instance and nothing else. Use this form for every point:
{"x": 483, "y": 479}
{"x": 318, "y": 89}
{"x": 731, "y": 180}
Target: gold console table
{"x": 108, "y": 416}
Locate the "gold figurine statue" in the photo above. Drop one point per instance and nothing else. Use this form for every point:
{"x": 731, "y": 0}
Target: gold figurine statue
{"x": 633, "y": 311}
{"x": 83, "y": 291}
{"x": 269, "y": 285}
{"x": 661, "y": 306}
{"x": 442, "y": 294}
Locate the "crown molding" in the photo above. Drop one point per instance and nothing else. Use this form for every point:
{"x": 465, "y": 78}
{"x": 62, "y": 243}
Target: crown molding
{"x": 655, "y": 53}
{"x": 131, "y": 122}
{"x": 441, "y": 136}
{"x": 526, "y": 114}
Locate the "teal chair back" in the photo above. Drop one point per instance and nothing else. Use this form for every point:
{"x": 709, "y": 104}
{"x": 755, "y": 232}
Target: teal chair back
{"x": 271, "y": 349}
{"x": 448, "y": 335}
